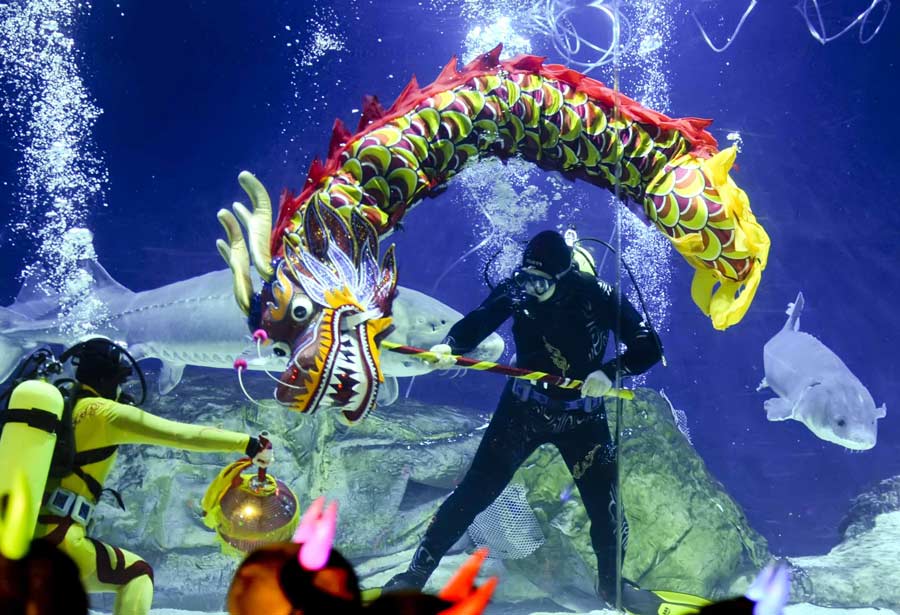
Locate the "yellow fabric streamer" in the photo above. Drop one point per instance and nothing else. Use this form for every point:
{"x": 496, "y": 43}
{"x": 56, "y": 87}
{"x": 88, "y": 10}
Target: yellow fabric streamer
{"x": 708, "y": 218}
{"x": 217, "y": 489}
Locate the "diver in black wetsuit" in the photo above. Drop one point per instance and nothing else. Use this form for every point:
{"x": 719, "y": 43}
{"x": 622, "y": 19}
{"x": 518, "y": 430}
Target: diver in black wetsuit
{"x": 561, "y": 323}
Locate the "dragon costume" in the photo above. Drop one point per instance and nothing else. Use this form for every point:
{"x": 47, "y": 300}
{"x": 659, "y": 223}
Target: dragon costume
{"x": 327, "y": 300}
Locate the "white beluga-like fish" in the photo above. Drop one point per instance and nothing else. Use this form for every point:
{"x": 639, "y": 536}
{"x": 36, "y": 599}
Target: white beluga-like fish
{"x": 197, "y": 322}
{"x": 816, "y": 388}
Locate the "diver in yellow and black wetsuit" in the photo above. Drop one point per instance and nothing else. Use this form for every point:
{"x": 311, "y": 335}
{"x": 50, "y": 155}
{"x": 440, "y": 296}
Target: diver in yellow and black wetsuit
{"x": 100, "y": 425}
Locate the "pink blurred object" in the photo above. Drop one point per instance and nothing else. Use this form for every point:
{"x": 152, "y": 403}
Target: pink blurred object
{"x": 260, "y": 336}
{"x": 240, "y": 364}
{"x": 771, "y": 589}
{"x": 316, "y": 534}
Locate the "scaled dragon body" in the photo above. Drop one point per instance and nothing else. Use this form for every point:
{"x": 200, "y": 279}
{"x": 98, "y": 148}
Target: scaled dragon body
{"x": 325, "y": 297}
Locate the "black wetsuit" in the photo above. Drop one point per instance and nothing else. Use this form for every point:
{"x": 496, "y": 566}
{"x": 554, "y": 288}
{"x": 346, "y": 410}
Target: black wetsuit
{"x": 566, "y": 335}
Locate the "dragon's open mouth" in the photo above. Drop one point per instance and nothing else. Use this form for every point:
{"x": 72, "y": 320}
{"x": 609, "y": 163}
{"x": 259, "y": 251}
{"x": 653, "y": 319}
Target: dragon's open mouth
{"x": 339, "y": 370}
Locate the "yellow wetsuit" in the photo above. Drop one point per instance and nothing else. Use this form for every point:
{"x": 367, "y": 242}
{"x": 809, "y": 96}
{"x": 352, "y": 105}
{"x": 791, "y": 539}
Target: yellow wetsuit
{"x": 100, "y": 425}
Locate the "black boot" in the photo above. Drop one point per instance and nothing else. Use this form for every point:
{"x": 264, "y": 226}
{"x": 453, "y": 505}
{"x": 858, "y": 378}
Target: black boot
{"x": 415, "y": 577}
{"x": 606, "y": 592}
{"x": 634, "y": 600}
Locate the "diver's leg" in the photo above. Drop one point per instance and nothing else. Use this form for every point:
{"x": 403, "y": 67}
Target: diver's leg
{"x": 108, "y": 569}
{"x": 132, "y": 576}
{"x": 503, "y": 448}
{"x": 590, "y": 455}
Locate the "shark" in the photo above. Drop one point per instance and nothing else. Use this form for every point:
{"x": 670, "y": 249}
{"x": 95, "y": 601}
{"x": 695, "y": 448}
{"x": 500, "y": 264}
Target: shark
{"x": 816, "y": 388}
{"x": 197, "y": 322}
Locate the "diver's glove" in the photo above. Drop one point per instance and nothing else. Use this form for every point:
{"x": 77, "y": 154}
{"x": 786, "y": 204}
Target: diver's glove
{"x": 597, "y": 384}
{"x": 260, "y": 450}
{"x": 445, "y": 358}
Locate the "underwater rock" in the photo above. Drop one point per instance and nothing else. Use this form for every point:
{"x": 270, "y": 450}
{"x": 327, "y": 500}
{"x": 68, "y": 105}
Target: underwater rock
{"x": 883, "y": 498}
{"x": 861, "y": 571}
{"x": 390, "y": 473}
{"x": 864, "y": 569}
{"x": 512, "y": 588}
{"x": 686, "y": 533}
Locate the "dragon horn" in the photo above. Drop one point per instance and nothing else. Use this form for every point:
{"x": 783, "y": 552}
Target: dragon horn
{"x": 234, "y": 251}
{"x": 258, "y": 223}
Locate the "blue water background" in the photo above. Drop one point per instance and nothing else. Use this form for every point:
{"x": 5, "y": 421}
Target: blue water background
{"x": 194, "y": 92}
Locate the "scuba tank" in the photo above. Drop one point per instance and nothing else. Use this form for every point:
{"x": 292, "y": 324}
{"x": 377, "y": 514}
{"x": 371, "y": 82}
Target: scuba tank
{"x": 16, "y": 512}
{"x": 37, "y": 438}
{"x": 27, "y": 443}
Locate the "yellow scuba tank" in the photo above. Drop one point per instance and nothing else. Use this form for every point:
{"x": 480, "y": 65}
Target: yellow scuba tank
{"x": 15, "y": 515}
{"x": 27, "y": 443}
{"x": 584, "y": 260}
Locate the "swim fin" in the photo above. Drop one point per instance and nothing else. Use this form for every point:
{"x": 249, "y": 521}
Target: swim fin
{"x": 639, "y": 601}
{"x": 371, "y": 595}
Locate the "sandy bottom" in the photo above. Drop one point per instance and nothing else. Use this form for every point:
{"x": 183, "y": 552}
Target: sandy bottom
{"x": 796, "y": 609}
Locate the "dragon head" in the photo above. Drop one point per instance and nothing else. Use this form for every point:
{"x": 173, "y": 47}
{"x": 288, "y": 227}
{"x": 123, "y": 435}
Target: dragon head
{"x": 324, "y": 305}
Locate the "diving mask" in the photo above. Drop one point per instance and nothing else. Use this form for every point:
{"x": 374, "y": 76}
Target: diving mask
{"x": 533, "y": 282}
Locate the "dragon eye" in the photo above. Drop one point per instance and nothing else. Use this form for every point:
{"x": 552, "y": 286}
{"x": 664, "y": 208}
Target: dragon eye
{"x": 301, "y": 309}
{"x": 280, "y": 349}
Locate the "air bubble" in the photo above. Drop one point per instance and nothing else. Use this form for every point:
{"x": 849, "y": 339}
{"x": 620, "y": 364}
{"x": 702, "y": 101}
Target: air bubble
{"x": 61, "y": 176}
{"x": 649, "y": 44}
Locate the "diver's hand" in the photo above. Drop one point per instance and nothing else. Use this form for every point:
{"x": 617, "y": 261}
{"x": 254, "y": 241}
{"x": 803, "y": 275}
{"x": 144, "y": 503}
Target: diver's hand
{"x": 444, "y": 357}
{"x": 260, "y": 450}
{"x": 597, "y": 384}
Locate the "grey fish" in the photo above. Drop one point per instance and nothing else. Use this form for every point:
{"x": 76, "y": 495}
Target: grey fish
{"x": 197, "y": 322}
{"x": 816, "y": 388}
